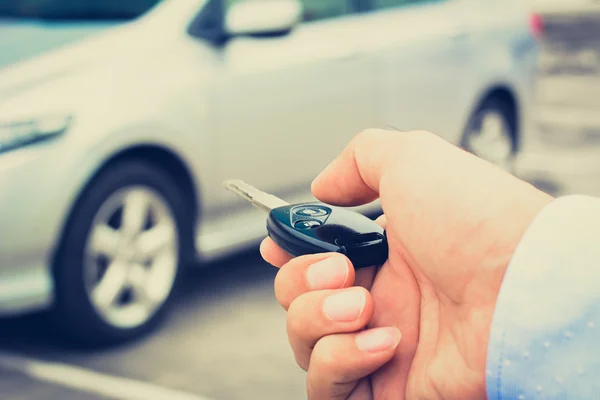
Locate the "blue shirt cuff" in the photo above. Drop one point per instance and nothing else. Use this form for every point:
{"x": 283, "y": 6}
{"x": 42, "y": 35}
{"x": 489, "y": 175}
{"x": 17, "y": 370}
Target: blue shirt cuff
{"x": 545, "y": 335}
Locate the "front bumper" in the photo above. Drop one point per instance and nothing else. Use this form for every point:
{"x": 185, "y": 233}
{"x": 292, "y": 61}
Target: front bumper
{"x": 29, "y": 221}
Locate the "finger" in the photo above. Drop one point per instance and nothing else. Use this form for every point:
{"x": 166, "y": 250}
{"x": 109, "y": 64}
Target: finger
{"x": 312, "y": 272}
{"x": 276, "y": 256}
{"x": 338, "y": 362}
{"x": 324, "y": 312}
{"x": 362, "y": 391}
{"x": 353, "y": 177}
{"x": 273, "y": 254}
{"x": 381, "y": 221}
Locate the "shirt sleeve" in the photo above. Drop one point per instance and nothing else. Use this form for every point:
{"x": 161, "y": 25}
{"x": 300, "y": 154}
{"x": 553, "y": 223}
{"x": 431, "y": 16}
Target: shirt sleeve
{"x": 545, "y": 335}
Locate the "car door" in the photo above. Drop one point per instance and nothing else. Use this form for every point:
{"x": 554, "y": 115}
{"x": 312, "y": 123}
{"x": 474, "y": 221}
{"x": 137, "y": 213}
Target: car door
{"x": 422, "y": 56}
{"x": 288, "y": 104}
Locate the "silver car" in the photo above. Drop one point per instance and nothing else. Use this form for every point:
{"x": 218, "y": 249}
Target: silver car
{"x": 114, "y": 147}
{"x": 560, "y": 153}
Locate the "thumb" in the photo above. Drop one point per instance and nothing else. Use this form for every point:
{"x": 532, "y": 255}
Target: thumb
{"x": 353, "y": 178}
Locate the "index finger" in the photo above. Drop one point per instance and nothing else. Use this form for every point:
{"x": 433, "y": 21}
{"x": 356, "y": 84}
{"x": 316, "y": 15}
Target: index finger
{"x": 353, "y": 178}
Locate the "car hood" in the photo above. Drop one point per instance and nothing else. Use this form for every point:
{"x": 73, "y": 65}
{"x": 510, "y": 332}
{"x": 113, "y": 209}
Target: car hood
{"x": 31, "y": 53}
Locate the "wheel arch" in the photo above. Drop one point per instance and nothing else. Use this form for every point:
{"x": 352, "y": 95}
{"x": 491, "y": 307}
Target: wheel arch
{"x": 156, "y": 154}
{"x": 508, "y": 96}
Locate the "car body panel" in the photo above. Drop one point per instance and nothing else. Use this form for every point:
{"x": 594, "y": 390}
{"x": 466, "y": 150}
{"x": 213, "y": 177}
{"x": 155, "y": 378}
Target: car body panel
{"x": 41, "y": 37}
{"x": 266, "y": 110}
{"x": 559, "y": 154}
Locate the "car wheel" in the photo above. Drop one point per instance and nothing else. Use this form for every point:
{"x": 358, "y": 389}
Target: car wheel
{"x": 121, "y": 254}
{"x": 491, "y": 134}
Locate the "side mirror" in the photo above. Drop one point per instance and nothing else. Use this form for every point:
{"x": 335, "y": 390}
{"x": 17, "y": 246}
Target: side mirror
{"x": 260, "y": 17}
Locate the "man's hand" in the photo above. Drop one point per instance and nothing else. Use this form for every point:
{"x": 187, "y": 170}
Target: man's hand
{"x": 453, "y": 222}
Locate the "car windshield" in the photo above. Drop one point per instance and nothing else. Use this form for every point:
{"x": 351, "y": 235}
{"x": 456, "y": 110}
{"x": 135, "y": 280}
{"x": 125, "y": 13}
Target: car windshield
{"x": 77, "y": 10}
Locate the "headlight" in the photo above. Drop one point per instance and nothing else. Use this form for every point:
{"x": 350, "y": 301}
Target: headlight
{"x": 22, "y": 133}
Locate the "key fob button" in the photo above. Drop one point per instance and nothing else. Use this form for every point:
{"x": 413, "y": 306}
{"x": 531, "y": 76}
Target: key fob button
{"x": 306, "y": 224}
{"x": 310, "y": 211}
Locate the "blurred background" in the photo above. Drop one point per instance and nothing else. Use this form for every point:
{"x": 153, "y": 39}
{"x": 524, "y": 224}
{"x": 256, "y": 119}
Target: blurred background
{"x": 128, "y": 272}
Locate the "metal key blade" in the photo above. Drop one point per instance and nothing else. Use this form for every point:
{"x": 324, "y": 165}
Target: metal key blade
{"x": 258, "y": 198}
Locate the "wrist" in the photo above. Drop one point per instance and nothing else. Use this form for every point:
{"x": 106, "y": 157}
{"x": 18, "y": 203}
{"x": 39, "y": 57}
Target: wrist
{"x": 483, "y": 295}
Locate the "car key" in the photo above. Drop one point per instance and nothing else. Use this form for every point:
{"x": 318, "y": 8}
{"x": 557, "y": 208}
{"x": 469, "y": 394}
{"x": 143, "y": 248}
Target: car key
{"x": 315, "y": 227}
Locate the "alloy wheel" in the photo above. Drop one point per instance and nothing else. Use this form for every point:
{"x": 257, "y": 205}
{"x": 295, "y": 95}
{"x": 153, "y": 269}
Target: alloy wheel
{"x": 131, "y": 256}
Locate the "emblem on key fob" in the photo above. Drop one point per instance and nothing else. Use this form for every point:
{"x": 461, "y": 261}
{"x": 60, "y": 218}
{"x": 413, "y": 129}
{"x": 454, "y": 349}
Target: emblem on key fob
{"x": 310, "y": 228}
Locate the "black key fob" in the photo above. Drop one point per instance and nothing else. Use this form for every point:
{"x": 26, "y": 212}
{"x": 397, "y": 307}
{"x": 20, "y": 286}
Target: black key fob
{"x": 310, "y": 228}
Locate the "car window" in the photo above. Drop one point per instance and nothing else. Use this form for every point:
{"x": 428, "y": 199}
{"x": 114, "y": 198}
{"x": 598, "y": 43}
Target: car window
{"x": 381, "y": 4}
{"x": 322, "y": 9}
{"x": 76, "y": 9}
{"x": 315, "y": 10}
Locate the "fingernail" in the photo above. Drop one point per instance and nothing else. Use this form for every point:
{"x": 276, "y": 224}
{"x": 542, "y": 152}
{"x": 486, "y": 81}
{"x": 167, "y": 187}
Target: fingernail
{"x": 345, "y": 306}
{"x": 330, "y": 273}
{"x": 378, "y": 339}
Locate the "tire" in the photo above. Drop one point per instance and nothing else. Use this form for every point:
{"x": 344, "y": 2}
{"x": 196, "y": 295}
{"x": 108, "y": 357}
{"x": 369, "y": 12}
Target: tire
{"x": 83, "y": 257}
{"x": 497, "y": 109}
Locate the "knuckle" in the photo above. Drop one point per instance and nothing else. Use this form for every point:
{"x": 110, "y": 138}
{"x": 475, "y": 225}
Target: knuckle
{"x": 298, "y": 317}
{"x": 293, "y": 325}
{"x": 281, "y": 294}
{"x": 325, "y": 356}
{"x": 389, "y": 182}
{"x": 371, "y": 131}
{"x": 302, "y": 360}
{"x": 421, "y": 138}
{"x": 314, "y": 387}
{"x": 367, "y": 135}
{"x": 311, "y": 391}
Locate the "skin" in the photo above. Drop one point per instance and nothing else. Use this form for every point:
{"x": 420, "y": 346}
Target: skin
{"x": 453, "y": 222}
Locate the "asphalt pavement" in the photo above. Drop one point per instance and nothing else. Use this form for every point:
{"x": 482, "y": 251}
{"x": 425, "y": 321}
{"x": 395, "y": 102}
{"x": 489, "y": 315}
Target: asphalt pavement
{"x": 15, "y": 385}
{"x": 225, "y": 339}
